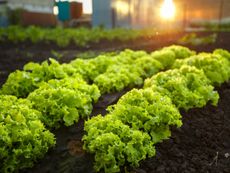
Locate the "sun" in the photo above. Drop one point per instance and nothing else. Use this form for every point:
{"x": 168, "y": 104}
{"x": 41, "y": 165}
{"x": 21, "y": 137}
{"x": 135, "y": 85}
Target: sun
{"x": 168, "y": 10}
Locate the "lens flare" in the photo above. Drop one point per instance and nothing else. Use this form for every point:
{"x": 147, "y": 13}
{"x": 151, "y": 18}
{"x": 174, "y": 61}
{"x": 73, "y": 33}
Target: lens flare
{"x": 168, "y": 10}
{"x": 121, "y": 6}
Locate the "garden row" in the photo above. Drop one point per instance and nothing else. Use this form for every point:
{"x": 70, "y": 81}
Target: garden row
{"x": 50, "y": 94}
{"x": 142, "y": 118}
{"x": 110, "y": 72}
{"x": 63, "y": 37}
{"x": 55, "y": 94}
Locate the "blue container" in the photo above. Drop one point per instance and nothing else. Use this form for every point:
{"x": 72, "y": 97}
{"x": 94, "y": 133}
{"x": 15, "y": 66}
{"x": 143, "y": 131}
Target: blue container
{"x": 102, "y": 13}
{"x": 63, "y": 10}
{"x": 4, "y": 21}
{"x": 3, "y": 14}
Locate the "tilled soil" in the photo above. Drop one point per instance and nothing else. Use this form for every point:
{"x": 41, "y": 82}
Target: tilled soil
{"x": 201, "y": 145}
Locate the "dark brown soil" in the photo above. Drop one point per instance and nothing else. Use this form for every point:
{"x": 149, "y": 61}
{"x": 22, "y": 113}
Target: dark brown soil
{"x": 201, "y": 145}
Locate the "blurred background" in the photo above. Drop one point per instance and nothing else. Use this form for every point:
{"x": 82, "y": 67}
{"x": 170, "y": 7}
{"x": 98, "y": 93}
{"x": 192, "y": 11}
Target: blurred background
{"x": 115, "y": 13}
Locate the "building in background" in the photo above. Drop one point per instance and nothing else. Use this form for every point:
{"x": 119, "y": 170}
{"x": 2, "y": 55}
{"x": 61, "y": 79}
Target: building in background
{"x": 35, "y": 12}
{"x": 114, "y": 13}
{"x": 76, "y": 10}
{"x": 102, "y": 13}
{"x": 45, "y": 12}
{"x": 126, "y": 13}
{"x": 40, "y": 6}
{"x": 87, "y": 5}
{"x": 146, "y": 13}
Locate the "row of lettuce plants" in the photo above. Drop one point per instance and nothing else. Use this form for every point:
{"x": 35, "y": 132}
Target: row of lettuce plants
{"x": 48, "y": 95}
{"x": 142, "y": 118}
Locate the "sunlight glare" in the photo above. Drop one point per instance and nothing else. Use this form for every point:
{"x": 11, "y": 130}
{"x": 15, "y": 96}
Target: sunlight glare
{"x": 121, "y": 7}
{"x": 168, "y": 10}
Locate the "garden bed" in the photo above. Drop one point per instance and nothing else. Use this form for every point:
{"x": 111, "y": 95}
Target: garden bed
{"x": 202, "y": 144}
{"x": 26, "y": 52}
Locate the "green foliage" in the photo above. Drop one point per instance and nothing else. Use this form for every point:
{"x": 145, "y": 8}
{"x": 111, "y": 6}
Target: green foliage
{"x": 63, "y": 37}
{"x": 114, "y": 72}
{"x": 34, "y": 34}
{"x": 110, "y": 72}
{"x": 147, "y": 113}
{"x": 21, "y": 83}
{"x": 215, "y": 67}
{"x": 147, "y": 66}
{"x": 128, "y": 133}
{"x": 56, "y": 55}
{"x": 180, "y": 51}
{"x": 14, "y": 34}
{"x": 168, "y": 55}
{"x": 49, "y": 70}
{"x": 104, "y": 132}
{"x": 116, "y": 78}
{"x": 64, "y": 101}
{"x": 188, "y": 87}
{"x": 92, "y": 54}
{"x": 23, "y": 137}
{"x": 146, "y": 110}
{"x": 223, "y": 53}
{"x": 193, "y": 39}
{"x": 91, "y": 68}
{"x": 212, "y": 25}
{"x": 59, "y": 94}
